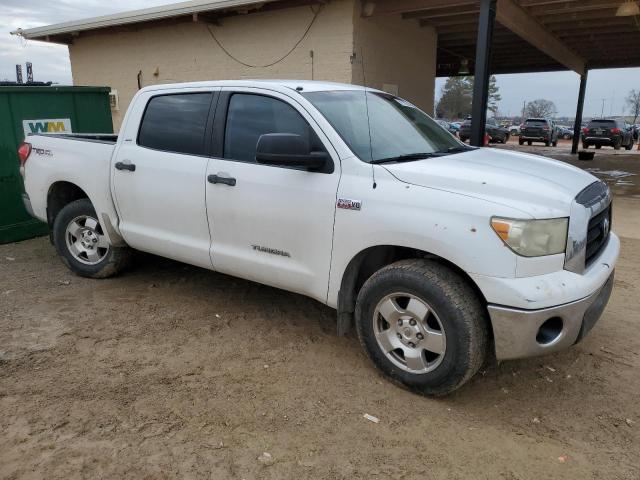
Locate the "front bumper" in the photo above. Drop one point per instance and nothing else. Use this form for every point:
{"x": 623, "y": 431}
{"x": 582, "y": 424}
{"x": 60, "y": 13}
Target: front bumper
{"x": 522, "y": 333}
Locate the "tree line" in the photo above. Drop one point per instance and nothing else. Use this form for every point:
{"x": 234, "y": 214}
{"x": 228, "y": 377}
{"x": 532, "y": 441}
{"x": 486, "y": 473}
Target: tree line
{"x": 457, "y": 96}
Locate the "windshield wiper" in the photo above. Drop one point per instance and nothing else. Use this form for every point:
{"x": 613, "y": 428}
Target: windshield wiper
{"x": 405, "y": 158}
{"x": 461, "y": 148}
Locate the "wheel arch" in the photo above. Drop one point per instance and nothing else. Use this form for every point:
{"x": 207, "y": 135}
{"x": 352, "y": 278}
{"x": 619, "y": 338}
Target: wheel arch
{"x": 60, "y": 194}
{"x": 370, "y": 260}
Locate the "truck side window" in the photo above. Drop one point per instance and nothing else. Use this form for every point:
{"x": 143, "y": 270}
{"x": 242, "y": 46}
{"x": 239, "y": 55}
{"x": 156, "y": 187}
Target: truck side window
{"x": 175, "y": 123}
{"x": 250, "y": 116}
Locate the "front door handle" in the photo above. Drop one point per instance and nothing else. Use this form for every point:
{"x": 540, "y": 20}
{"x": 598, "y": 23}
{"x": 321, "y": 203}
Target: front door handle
{"x": 222, "y": 179}
{"x": 125, "y": 166}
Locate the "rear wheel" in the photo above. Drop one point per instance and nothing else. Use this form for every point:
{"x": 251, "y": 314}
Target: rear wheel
{"x": 529, "y": 142}
{"x": 598, "y": 147}
{"x": 463, "y": 139}
{"x": 555, "y": 144}
{"x": 618, "y": 144}
{"x": 585, "y": 145}
{"x": 82, "y": 244}
{"x": 520, "y": 141}
{"x": 422, "y": 325}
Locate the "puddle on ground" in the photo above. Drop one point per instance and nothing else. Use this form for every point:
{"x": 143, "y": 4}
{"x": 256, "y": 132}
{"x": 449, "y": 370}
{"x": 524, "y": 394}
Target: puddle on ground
{"x": 617, "y": 177}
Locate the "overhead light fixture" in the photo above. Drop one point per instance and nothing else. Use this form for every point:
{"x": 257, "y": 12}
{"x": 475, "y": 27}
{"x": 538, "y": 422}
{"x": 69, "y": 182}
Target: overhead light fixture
{"x": 368, "y": 8}
{"x": 464, "y": 67}
{"x": 628, "y": 9}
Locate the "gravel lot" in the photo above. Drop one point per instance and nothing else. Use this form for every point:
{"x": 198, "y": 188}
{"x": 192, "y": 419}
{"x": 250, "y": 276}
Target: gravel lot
{"x": 170, "y": 371}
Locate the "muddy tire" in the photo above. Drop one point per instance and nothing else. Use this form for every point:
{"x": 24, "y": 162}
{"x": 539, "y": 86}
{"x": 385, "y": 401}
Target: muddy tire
{"x": 423, "y": 326}
{"x": 82, "y": 244}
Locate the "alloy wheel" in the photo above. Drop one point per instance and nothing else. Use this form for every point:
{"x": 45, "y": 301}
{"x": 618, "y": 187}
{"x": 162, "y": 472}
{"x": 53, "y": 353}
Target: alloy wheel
{"x": 409, "y": 333}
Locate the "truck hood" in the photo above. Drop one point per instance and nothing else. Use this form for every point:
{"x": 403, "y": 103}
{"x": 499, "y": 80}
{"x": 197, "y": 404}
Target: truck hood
{"x": 538, "y": 186}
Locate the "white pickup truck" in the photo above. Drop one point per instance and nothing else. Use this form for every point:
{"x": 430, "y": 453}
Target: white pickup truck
{"x": 438, "y": 253}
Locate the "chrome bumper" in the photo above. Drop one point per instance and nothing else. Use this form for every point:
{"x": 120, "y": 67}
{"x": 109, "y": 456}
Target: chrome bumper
{"x": 517, "y": 333}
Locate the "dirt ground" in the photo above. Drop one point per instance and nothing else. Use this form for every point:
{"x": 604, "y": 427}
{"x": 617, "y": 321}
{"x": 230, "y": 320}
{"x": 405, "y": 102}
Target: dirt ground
{"x": 170, "y": 371}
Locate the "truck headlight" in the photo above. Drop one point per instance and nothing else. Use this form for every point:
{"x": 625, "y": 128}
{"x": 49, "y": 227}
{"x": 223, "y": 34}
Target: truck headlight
{"x": 533, "y": 238}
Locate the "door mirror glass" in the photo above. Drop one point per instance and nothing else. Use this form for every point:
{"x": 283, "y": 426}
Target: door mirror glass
{"x": 288, "y": 150}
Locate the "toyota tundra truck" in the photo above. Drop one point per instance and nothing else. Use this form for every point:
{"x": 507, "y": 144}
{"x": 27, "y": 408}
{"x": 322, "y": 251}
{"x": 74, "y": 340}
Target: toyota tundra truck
{"x": 435, "y": 254}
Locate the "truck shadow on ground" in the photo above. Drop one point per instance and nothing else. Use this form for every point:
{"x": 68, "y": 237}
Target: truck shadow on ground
{"x": 554, "y": 380}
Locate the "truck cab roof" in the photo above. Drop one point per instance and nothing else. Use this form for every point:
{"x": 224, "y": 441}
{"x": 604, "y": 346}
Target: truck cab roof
{"x": 297, "y": 85}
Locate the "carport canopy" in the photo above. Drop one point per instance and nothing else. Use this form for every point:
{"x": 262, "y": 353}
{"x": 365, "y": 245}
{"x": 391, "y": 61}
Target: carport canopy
{"x": 521, "y": 36}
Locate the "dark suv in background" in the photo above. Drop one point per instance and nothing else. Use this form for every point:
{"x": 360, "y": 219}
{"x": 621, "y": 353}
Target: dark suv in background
{"x": 495, "y": 131}
{"x": 614, "y": 133}
{"x": 538, "y": 130}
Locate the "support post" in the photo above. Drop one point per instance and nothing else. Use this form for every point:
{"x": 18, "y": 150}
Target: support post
{"x": 577, "y": 126}
{"x": 482, "y": 73}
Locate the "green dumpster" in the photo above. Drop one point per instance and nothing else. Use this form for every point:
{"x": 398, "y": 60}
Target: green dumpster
{"x": 39, "y": 109}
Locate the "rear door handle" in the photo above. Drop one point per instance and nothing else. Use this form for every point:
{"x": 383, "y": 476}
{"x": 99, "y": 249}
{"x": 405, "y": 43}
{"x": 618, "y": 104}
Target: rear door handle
{"x": 222, "y": 179}
{"x": 125, "y": 166}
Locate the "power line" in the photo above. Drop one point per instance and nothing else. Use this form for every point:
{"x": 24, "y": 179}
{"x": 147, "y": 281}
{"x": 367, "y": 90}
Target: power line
{"x": 304, "y": 35}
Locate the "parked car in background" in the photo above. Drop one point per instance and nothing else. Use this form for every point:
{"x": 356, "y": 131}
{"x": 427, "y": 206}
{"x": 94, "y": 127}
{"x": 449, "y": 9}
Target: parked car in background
{"x": 636, "y": 132}
{"x": 514, "y": 130}
{"x": 565, "y": 133}
{"x": 447, "y": 126}
{"x": 380, "y": 215}
{"x": 538, "y": 130}
{"x": 455, "y": 126}
{"x": 610, "y": 132}
{"x": 497, "y": 134}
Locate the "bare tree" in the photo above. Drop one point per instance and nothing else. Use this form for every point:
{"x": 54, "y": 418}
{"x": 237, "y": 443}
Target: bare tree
{"x": 633, "y": 101}
{"x": 541, "y": 108}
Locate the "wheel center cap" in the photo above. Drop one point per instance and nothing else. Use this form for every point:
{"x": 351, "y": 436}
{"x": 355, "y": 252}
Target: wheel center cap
{"x": 408, "y": 333}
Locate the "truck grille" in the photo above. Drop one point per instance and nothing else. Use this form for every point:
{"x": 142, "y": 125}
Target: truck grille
{"x": 598, "y": 234}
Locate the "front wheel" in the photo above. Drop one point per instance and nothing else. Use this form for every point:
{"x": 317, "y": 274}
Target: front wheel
{"x": 422, "y": 325}
{"x": 82, "y": 244}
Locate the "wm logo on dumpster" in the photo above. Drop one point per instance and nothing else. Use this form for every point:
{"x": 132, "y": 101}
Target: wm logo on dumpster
{"x": 46, "y": 125}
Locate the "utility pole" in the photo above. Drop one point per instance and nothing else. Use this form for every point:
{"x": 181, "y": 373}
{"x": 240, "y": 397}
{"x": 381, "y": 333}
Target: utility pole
{"x": 602, "y": 111}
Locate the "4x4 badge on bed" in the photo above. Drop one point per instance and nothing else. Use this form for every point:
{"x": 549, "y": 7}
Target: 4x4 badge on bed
{"x": 349, "y": 204}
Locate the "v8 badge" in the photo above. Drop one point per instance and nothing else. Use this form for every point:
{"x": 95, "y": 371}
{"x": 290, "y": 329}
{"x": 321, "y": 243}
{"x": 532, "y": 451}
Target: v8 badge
{"x": 349, "y": 204}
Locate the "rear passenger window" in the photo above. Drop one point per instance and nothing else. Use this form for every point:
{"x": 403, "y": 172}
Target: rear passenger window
{"x": 176, "y": 123}
{"x": 250, "y": 116}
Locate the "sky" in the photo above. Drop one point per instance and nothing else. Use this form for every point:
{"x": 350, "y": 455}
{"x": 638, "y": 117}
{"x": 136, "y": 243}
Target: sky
{"x": 51, "y": 62}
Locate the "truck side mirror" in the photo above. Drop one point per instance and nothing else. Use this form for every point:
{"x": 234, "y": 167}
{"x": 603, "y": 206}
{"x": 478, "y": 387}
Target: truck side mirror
{"x": 288, "y": 150}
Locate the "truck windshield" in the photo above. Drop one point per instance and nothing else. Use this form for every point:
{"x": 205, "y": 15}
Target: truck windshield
{"x": 380, "y": 127}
